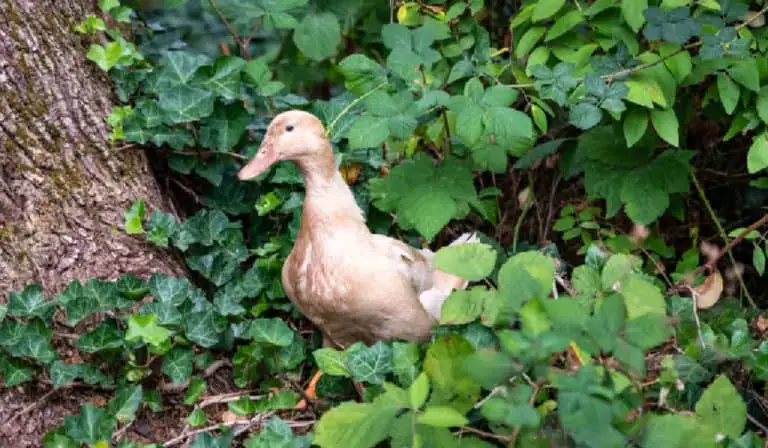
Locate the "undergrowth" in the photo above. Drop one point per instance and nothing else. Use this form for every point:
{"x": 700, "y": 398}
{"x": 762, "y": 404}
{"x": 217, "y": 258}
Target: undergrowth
{"x": 445, "y": 116}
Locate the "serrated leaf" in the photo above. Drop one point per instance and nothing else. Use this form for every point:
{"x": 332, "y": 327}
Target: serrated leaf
{"x": 529, "y": 40}
{"x": 585, "y": 115}
{"x": 318, "y": 35}
{"x": 471, "y": 261}
{"x": 642, "y": 297}
{"x": 666, "y": 125}
{"x": 633, "y": 13}
{"x": 418, "y": 391}
{"x": 442, "y": 416}
{"x": 368, "y": 132}
{"x": 746, "y": 73}
{"x": 405, "y": 359}
{"x": 463, "y": 306}
{"x": 722, "y": 408}
{"x": 362, "y": 74}
{"x": 370, "y": 364}
{"x": 564, "y": 24}
{"x": 271, "y": 331}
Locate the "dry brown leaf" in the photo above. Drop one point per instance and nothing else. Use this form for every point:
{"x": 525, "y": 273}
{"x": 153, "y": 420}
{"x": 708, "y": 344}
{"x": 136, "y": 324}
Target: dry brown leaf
{"x": 761, "y": 323}
{"x": 350, "y": 172}
{"x": 710, "y": 251}
{"x": 710, "y": 291}
{"x": 229, "y": 416}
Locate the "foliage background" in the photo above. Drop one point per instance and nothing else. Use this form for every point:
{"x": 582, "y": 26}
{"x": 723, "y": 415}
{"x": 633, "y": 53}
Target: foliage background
{"x": 569, "y": 133}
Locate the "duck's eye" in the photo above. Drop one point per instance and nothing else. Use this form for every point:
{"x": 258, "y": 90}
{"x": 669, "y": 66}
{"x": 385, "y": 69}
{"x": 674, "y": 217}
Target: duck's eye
{"x": 289, "y": 128}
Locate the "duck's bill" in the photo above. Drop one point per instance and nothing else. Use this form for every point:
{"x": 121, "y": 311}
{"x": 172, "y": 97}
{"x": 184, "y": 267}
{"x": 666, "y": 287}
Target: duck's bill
{"x": 258, "y": 165}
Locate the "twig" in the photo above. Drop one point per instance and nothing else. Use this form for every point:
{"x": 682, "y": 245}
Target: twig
{"x": 482, "y": 433}
{"x": 239, "y": 41}
{"x": 757, "y": 423}
{"x": 121, "y": 432}
{"x": 352, "y": 104}
{"x": 227, "y": 398}
{"x": 188, "y": 434}
{"x": 568, "y": 288}
{"x": 32, "y": 406}
{"x": 695, "y": 301}
{"x": 729, "y": 244}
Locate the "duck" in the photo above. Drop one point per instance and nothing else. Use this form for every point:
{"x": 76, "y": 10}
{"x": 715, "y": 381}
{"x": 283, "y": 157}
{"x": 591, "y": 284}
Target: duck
{"x": 352, "y": 284}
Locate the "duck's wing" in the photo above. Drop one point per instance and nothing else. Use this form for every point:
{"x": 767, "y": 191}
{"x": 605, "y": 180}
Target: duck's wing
{"x": 431, "y": 285}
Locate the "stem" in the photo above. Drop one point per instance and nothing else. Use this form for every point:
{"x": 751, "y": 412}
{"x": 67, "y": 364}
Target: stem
{"x": 725, "y": 238}
{"x": 238, "y": 40}
{"x": 352, "y": 104}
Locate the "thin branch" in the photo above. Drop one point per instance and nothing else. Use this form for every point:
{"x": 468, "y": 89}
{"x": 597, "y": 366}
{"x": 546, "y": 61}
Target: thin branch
{"x": 238, "y": 40}
{"x": 189, "y": 434}
{"x": 31, "y": 407}
{"x": 352, "y": 104}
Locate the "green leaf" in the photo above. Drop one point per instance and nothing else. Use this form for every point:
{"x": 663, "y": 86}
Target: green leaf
{"x": 368, "y": 132}
{"x": 198, "y": 418}
{"x": 126, "y": 402}
{"x": 196, "y": 388}
{"x": 146, "y": 329}
{"x": 271, "y": 331}
{"x": 722, "y": 408}
{"x": 357, "y": 424}
{"x": 680, "y": 65}
{"x": 633, "y": 13}
{"x": 489, "y": 367}
{"x": 182, "y": 103}
{"x": 134, "y": 217}
{"x": 442, "y": 416}
{"x": 362, "y": 74}
{"x": 545, "y": 9}
{"x": 30, "y": 303}
{"x": 318, "y": 35}
{"x": 746, "y": 73}
{"x": 331, "y": 361}
{"x": 762, "y": 104}
{"x": 444, "y": 363}
{"x": 666, "y": 125}
{"x": 463, "y": 306}
{"x": 729, "y": 92}
{"x": 405, "y": 358}
{"x": 223, "y": 78}
{"x": 104, "y": 337}
{"x": 370, "y": 364}
{"x": 181, "y": 67}
{"x": 529, "y": 39}
{"x": 105, "y": 57}
{"x": 585, "y": 115}
{"x": 635, "y": 125}
{"x": 35, "y": 346}
{"x": 757, "y": 157}
{"x": 173, "y": 290}
{"x": 160, "y": 228}
{"x": 277, "y": 434}
{"x": 90, "y": 426}
{"x": 642, "y": 297}
{"x": 758, "y": 260}
{"x": 564, "y": 24}
{"x": 418, "y": 391}
{"x": 15, "y": 373}
{"x": 471, "y": 261}
{"x": 525, "y": 276}
{"x": 224, "y": 129}
{"x": 203, "y": 328}
{"x": 677, "y": 431}
{"x": 178, "y": 364}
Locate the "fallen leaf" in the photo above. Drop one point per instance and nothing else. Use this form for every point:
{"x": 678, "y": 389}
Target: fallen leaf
{"x": 710, "y": 291}
{"x": 228, "y": 416}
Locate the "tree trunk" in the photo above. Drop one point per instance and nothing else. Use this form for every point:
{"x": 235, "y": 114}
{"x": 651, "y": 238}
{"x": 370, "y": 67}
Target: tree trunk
{"x": 63, "y": 187}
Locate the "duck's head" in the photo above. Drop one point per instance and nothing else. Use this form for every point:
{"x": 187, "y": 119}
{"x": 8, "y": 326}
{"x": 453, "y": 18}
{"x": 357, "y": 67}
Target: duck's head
{"x": 293, "y": 135}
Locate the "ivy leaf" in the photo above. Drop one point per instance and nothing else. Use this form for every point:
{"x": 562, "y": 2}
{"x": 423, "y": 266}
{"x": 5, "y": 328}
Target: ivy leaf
{"x": 181, "y": 67}
{"x": 405, "y": 359}
{"x": 146, "y": 329}
{"x": 30, "y": 303}
{"x": 183, "y": 103}
{"x": 104, "y": 337}
{"x": 134, "y": 217}
{"x": 722, "y": 408}
{"x": 160, "y": 227}
{"x": 666, "y": 125}
{"x": 203, "y": 328}
{"x": 331, "y": 361}
{"x": 173, "y": 290}
{"x": 178, "y": 364}
{"x": 370, "y": 364}
{"x": 91, "y": 426}
{"x": 224, "y": 129}
{"x": 15, "y": 373}
{"x": 472, "y": 261}
{"x": 35, "y": 346}
{"x": 126, "y": 402}
{"x": 318, "y": 35}
{"x": 357, "y": 424}
{"x": 271, "y": 331}
{"x": 223, "y": 78}
{"x": 277, "y": 434}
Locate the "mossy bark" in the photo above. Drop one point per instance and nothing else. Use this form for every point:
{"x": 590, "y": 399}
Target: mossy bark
{"x": 63, "y": 186}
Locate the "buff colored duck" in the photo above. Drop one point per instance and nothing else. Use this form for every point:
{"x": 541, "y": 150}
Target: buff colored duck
{"x": 352, "y": 284}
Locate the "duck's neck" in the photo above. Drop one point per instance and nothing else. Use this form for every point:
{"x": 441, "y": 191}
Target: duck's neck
{"x": 328, "y": 200}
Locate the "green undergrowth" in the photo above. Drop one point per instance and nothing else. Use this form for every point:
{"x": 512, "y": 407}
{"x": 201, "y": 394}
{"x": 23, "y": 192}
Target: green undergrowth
{"x": 429, "y": 114}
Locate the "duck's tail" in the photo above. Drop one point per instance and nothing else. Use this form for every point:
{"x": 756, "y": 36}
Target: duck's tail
{"x": 443, "y": 284}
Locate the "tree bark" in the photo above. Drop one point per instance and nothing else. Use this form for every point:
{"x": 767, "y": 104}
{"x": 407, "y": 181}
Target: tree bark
{"x": 63, "y": 187}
